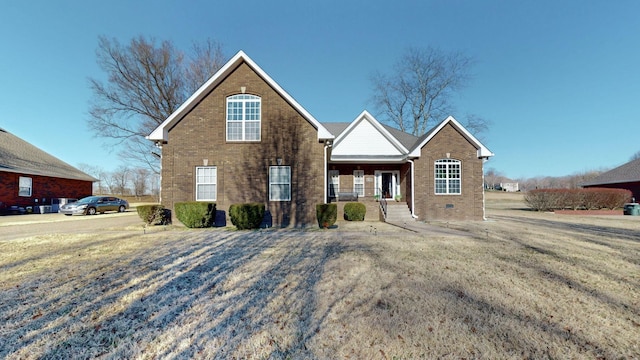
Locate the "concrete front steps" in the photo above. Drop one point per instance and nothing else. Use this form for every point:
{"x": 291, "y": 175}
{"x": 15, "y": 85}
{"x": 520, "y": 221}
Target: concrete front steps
{"x": 398, "y": 212}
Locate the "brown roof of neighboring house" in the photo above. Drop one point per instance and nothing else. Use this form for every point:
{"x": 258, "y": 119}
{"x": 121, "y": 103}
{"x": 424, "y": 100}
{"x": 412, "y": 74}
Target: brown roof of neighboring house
{"x": 18, "y": 156}
{"x": 629, "y": 172}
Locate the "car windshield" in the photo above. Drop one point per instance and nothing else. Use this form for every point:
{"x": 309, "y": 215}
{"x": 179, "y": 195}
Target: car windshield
{"x": 87, "y": 200}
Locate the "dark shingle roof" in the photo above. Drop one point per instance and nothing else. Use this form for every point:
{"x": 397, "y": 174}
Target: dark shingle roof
{"x": 335, "y": 128}
{"x": 629, "y": 172}
{"x": 407, "y": 140}
{"x": 18, "y": 156}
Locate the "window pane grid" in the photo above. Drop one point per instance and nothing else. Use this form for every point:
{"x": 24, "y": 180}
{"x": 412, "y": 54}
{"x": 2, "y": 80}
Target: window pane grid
{"x": 25, "y": 185}
{"x": 358, "y": 182}
{"x": 206, "y": 183}
{"x": 279, "y": 183}
{"x": 243, "y": 117}
{"x": 447, "y": 174}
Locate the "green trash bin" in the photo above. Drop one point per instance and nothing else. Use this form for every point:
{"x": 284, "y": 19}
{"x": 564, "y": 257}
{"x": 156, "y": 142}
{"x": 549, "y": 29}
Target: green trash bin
{"x": 632, "y": 209}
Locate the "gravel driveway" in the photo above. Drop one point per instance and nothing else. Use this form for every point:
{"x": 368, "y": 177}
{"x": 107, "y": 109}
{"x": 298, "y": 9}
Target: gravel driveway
{"x": 21, "y": 226}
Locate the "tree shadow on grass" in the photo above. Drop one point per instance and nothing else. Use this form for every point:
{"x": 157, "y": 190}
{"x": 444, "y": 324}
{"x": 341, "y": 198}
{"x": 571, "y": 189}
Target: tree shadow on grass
{"x": 209, "y": 294}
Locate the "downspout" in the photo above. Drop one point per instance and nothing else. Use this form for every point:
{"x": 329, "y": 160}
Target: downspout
{"x": 326, "y": 145}
{"x": 413, "y": 187}
{"x": 484, "y": 215}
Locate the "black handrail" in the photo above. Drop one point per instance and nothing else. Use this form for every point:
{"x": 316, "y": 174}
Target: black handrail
{"x": 383, "y": 203}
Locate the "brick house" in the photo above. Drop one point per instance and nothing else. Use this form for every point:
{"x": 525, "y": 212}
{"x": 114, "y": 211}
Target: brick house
{"x": 32, "y": 177}
{"x": 242, "y": 138}
{"x": 625, "y": 176}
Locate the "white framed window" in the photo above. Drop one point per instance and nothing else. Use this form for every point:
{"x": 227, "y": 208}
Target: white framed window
{"x": 243, "y": 117}
{"x": 279, "y": 183}
{"x": 358, "y": 182}
{"x": 206, "y": 183}
{"x": 448, "y": 177}
{"x": 334, "y": 183}
{"x": 25, "y": 186}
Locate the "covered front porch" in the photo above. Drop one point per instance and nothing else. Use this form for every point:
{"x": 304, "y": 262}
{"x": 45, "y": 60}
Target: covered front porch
{"x": 383, "y": 188}
{"x": 368, "y": 181}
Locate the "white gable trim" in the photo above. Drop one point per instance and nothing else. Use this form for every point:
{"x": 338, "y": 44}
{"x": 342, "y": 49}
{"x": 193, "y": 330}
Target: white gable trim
{"x": 161, "y": 133}
{"x": 399, "y": 152}
{"x": 483, "y": 151}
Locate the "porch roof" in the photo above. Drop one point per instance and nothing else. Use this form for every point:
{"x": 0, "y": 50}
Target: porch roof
{"x": 366, "y": 140}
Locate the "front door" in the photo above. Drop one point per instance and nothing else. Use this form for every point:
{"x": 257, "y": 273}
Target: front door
{"x": 387, "y": 183}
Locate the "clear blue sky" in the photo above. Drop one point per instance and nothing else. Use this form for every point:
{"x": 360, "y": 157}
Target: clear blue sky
{"x": 559, "y": 80}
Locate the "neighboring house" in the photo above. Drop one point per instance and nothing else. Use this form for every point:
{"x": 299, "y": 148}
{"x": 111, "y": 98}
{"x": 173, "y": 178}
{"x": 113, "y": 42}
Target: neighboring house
{"x": 242, "y": 138}
{"x": 508, "y": 186}
{"x": 32, "y": 177}
{"x": 626, "y": 176}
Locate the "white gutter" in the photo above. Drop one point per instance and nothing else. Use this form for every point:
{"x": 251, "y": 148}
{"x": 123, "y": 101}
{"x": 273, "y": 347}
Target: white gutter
{"x": 413, "y": 187}
{"x": 326, "y": 145}
{"x": 484, "y": 215}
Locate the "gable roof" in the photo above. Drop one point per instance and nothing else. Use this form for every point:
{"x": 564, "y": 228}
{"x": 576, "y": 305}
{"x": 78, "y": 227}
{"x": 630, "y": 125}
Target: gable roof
{"x": 409, "y": 144}
{"x": 161, "y": 132}
{"x": 18, "y": 156}
{"x": 482, "y": 150}
{"x": 407, "y": 140}
{"x": 629, "y": 172}
{"x": 366, "y": 139}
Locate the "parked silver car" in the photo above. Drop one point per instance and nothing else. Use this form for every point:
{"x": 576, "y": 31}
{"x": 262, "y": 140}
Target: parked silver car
{"x": 92, "y": 205}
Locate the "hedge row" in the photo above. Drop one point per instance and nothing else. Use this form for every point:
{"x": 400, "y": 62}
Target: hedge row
{"x": 195, "y": 214}
{"x": 575, "y": 199}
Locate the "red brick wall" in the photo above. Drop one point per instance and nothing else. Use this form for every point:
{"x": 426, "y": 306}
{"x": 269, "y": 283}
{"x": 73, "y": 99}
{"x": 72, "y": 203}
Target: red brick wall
{"x": 467, "y": 206}
{"x": 43, "y": 189}
{"x": 242, "y": 167}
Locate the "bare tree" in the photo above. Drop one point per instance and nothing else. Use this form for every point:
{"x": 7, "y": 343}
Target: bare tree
{"x": 417, "y": 93}
{"x": 492, "y": 178}
{"x": 119, "y": 180}
{"x": 140, "y": 181}
{"x": 99, "y": 187}
{"x": 635, "y": 156}
{"x": 146, "y": 82}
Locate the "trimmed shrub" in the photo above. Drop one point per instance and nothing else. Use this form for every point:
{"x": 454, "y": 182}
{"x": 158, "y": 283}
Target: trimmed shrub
{"x": 246, "y": 216}
{"x": 354, "y": 211}
{"x": 327, "y": 214}
{"x": 607, "y": 198}
{"x": 154, "y": 214}
{"x": 589, "y": 199}
{"x": 196, "y": 214}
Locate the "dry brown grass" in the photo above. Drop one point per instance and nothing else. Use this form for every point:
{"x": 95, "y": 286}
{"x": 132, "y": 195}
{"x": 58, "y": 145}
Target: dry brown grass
{"x": 521, "y": 285}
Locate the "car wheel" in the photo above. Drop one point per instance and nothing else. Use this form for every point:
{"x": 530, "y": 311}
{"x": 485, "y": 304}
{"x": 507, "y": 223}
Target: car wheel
{"x": 91, "y": 211}
{"x": 122, "y": 208}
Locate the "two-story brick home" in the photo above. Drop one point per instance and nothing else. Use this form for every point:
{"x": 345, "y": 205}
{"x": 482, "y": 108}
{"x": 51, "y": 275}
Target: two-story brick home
{"x": 242, "y": 138}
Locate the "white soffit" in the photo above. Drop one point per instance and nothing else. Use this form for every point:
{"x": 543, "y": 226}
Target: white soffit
{"x": 365, "y": 136}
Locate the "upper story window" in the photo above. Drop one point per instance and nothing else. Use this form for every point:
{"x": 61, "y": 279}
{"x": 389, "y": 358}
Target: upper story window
{"x": 448, "y": 177}
{"x": 243, "y": 117}
{"x": 24, "y": 186}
